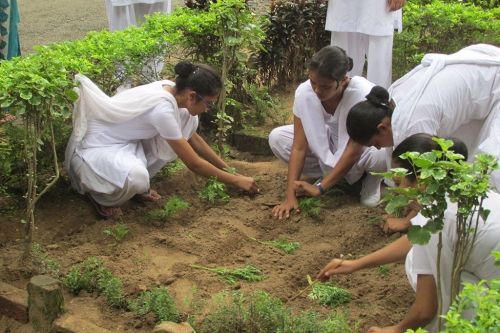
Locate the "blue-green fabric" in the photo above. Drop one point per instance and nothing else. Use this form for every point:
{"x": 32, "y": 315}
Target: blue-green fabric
{"x": 9, "y": 33}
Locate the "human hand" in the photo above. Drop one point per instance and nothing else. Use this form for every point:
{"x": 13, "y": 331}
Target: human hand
{"x": 395, "y": 224}
{"x": 388, "y": 329}
{"x": 247, "y": 184}
{"x": 395, "y": 4}
{"x": 283, "y": 210}
{"x": 337, "y": 266}
{"x": 304, "y": 188}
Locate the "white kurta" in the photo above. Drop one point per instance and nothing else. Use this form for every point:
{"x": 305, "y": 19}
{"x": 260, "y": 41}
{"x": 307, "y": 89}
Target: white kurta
{"x": 452, "y": 96}
{"x": 126, "y": 13}
{"x": 422, "y": 259}
{"x": 326, "y": 134}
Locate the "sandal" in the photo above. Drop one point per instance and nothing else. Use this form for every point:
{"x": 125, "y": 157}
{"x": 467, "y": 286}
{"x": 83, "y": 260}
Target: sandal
{"x": 105, "y": 212}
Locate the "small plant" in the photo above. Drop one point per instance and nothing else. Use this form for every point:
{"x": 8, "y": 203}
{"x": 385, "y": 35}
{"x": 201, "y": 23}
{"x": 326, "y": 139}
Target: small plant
{"x": 383, "y": 270}
{"x": 45, "y": 264}
{"x": 282, "y": 244}
{"x": 310, "y": 206}
{"x": 327, "y": 293}
{"x": 157, "y": 301}
{"x": 214, "y": 192}
{"x": 118, "y": 232}
{"x": 173, "y": 206}
{"x": 171, "y": 168}
{"x": 248, "y": 273}
{"x": 91, "y": 275}
{"x": 231, "y": 170}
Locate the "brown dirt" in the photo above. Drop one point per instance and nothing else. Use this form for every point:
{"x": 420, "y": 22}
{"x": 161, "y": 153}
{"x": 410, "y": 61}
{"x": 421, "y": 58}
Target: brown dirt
{"x": 213, "y": 236}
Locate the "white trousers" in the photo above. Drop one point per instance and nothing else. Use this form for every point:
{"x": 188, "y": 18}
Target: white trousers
{"x": 281, "y": 141}
{"x": 121, "y": 17}
{"x": 377, "y": 49}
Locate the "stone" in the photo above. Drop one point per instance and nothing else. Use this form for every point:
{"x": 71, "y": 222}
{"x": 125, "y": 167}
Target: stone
{"x": 72, "y": 324}
{"x": 45, "y": 302}
{"x": 171, "y": 327}
{"x": 13, "y": 302}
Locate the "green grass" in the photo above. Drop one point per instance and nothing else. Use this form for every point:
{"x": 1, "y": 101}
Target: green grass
{"x": 174, "y": 205}
{"x": 157, "y": 301}
{"x": 328, "y": 294}
{"x": 383, "y": 270}
{"x": 248, "y": 273}
{"x": 285, "y": 245}
{"x": 45, "y": 264}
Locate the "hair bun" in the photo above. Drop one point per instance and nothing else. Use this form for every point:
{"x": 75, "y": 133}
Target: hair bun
{"x": 184, "y": 68}
{"x": 378, "y": 95}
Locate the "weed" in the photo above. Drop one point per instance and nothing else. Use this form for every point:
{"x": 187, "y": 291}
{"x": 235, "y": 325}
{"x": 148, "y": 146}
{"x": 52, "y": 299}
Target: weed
{"x": 157, "y": 301}
{"x": 118, "y": 232}
{"x": 310, "y": 206}
{"x": 91, "y": 275}
{"x": 383, "y": 270}
{"x": 44, "y": 263}
{"x": 171, "y": 168}
{"x": 231, "y": 170}
{"x": 327, "y": 293}
{"x": 247, "y": 273}
{"x": 214, "y": 192}
{"x": 174, "y": 205}
{"x": 282, "y": 244}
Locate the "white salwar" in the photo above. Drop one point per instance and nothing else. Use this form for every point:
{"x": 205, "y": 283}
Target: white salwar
{"x": 118, "y": 143}
{"x": 422, "y": 259}
{"x": 126, "y": 13}
{"x": 365, "y": 29}
{"x": 326, "y": 134}
{"x": 455, "y": 95}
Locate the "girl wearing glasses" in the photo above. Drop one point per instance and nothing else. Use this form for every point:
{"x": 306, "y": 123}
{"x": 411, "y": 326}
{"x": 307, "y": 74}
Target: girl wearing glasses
{"x": 119, "y": 143}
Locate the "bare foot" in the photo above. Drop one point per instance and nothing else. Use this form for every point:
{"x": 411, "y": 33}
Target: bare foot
{"x": 151, "y": 195}
{"x": 105, "y": 211}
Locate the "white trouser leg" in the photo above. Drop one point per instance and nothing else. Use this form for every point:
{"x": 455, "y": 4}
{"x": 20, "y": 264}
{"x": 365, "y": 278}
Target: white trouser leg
{"x": 356, "y": 47}
{"x": 380, "y": 60}
{"x": 120, "y": 17}
{"x": 372, "y": 160}
{"x": 281, "y": 140}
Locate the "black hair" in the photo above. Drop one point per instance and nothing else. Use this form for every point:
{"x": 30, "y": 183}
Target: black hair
{"x": 330, "y": 62}
{"x": 203, "y": 79}
{"x": 364, "y": 117}
{"x": 423, "y": 143}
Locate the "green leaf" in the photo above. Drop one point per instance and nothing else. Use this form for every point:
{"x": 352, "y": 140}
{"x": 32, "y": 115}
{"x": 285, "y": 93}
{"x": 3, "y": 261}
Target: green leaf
{"x": 418, "y": 235}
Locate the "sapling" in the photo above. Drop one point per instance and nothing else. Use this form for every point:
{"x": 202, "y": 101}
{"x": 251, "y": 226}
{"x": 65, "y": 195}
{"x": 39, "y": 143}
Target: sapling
{"x": 248, "y": 273}
{"x": 282, "y": 244}
{"x": 173, "y": 206}
{"x": 214, "y": 191}
{"x": 118, "y": 232}
{"x": 310, "y": 206}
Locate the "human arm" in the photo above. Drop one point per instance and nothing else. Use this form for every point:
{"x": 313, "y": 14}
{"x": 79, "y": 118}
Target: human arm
{"x": 295, "y": 166}
{"x": 348, "y": 158}
{"x": 394, "y": 252}
{"x": 394, "y": 5}
{"x": 422, "y": 311}
{"x": 399, "y": 224}
{"x": 204, "y": 150}
{"x": 198, "y": 165}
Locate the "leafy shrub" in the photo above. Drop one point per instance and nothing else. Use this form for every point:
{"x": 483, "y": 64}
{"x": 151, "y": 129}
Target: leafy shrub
{"x": 118, "y": 232}
{"x": 91, "y": 275}
{"x": 214, "y": 192}
{"x": 442, "y": 27}
{"x": 173, "y": 206}
{"x": 157, "y": 301}
{"x": 285, "y": 53}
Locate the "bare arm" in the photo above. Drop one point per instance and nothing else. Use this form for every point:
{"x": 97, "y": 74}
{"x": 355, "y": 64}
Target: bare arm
{"x": 202, "y": 167}
{"x": 394, "y": 5}
{"x": 394, "y": 252}
{"x": 204, "y": 150}
{"x": 295, "y": 166}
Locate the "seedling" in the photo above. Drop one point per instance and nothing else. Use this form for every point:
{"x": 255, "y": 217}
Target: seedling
{"x": 282, "y": 244}
{"x": 118, "y": 232}
{"x": 383, "y": 270}
{"x": 214, "y": 192}
{"x": 157, "y": 301}
{"x": 327, "y": 293}
{"x": 247, "y": 273}
{"x": 310, "y": 206}
{"x": 173, "y": 206}
{"x": 171, "y": 168}
{"x": 231, "y": 170}
{"x": 45, "y": 264}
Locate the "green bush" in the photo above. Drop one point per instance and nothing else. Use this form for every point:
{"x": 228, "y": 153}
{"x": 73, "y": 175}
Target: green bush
{"x": 441, "y": 27}
{"x": 157, "y": 301}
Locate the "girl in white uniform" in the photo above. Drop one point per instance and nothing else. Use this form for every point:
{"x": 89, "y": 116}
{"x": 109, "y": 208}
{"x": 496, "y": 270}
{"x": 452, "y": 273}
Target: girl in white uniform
{"x": 317, "y": 140}
{"x": 365, "y": 29}
{"x": 125, "y": 13}
{"x": 421, "y": 259}
{"x": 118, "y": 143}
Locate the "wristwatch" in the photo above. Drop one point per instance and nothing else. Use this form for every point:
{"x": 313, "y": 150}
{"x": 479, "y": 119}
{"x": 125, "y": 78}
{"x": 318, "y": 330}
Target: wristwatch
{"x": 320, "y": 188}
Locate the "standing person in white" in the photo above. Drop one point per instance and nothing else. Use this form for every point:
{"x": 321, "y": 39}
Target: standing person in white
{"x": 118, "y": 143}
{"x": 126, "y": 13}
{"x": 318, "y": 139}
{"x": 365, "y": 29}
